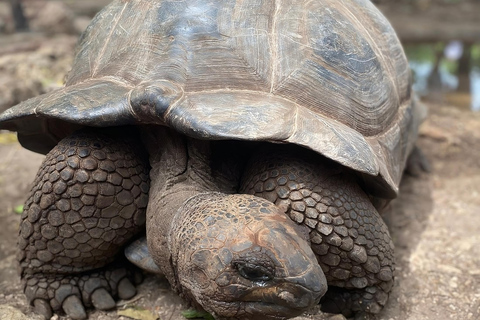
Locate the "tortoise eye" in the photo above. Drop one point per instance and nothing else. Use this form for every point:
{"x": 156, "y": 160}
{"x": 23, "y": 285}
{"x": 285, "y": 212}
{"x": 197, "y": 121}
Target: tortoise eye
{"x": 253, "y": 272}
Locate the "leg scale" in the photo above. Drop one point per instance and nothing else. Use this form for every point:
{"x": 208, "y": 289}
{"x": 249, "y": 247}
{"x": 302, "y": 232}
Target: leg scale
{"x": 88, "y": 200}
{"x": 350, "y": 239}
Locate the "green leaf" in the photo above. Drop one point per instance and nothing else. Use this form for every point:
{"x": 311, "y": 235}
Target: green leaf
{"x": 18, "y": 209}
{"x": 194, "y": 314}
{"x": 137, "y": 313}
{"x": 420, "y": 53}
{"x": 476, "y": 54}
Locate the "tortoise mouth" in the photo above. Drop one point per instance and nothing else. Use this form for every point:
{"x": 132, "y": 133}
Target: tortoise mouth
{"x": 281, "y": 301}
{"x": 269, "y": 310}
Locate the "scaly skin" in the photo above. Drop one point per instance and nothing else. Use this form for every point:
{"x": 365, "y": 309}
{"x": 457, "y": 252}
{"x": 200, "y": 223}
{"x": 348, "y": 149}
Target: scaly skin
{"x": 224, "y": 242}
{"x": 350, "y": 239}
{"x": 236, "y": 255}
{"x": 89, "y": 198}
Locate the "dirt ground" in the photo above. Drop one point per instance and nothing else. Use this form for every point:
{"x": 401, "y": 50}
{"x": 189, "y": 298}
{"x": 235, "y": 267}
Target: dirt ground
{"x": 435, "y": 223}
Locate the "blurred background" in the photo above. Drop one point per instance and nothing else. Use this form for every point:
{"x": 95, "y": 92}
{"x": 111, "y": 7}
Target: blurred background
{"x": 434, "y": 224}
{"x": 37, "y": 43}
{"x": 442, "y": 42}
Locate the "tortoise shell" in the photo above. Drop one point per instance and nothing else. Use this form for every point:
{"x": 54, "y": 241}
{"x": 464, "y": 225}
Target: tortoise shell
{"x": 328, "y": 75}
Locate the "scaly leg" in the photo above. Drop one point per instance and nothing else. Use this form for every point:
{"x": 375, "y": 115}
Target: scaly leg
{"x": 89, "y": 198}
{"x": 350, "y": 239}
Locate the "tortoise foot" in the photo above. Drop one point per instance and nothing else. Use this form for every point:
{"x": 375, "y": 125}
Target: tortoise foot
{"x": 361, "y": 303}
{"x": 73, "y": 294}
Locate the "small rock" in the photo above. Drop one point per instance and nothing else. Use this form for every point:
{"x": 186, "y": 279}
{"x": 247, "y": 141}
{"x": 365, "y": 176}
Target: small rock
{"x": 11, "y": 313}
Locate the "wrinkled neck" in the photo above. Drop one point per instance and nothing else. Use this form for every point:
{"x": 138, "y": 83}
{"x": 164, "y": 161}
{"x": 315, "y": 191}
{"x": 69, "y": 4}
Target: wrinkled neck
{"x": 181, "y": 169}
{"x": 183, "y": 240}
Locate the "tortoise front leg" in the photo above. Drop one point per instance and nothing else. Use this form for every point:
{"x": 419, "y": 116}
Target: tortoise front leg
{"x": 89, "y": 198}
{"x": 350, "y": 239}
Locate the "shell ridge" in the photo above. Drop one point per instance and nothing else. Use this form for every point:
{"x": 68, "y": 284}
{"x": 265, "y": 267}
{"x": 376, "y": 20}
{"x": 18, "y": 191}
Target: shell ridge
{"x": 107, "y": 41}
{"x": 85, "y": 104}
{"x": 173, "y": 105}
{"x": 375, "y": 46}
{"x": 150, "y": 101}
{"x": 129, "y": 106}
{"x": 295, "y": 123}
{"x": 254, "y": 71}
{"x": 274, "y": 44}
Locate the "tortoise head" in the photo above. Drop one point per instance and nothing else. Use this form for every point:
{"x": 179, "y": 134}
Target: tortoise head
{"x": 240, "y": 256}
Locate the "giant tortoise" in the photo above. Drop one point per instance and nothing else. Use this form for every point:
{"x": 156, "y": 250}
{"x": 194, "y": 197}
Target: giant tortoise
{"x": 253, "y": 143}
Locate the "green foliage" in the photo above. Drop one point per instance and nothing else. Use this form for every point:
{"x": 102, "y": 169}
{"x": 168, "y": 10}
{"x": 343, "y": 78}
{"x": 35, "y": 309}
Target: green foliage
{"x": 420, "y": 53}
{"x": 424, "y": 52}
{"x": 476, "y": 54}
{"x": 450, "y": 66}
{"x": 18, "y": 209}
{"x": 194, "y": 314}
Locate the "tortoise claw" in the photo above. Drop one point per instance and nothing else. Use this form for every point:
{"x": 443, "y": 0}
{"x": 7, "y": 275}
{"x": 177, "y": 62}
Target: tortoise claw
{"x": 73, "y": 307}
{"x": 126, "y": 290}
{"x": 102, "y": 300}
{"x": 42, "y": 307}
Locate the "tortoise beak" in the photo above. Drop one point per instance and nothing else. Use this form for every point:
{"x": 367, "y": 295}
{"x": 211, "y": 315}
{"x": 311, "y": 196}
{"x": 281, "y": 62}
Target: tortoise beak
{"x": 299, "y": 283}
{"x": 288, "y": 300}
{"x": 297, "y": 296}
{"x": 309, "y": 289}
